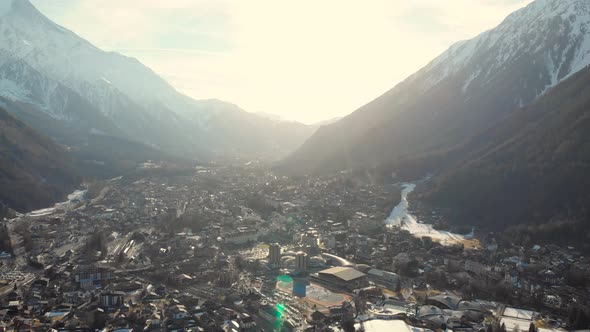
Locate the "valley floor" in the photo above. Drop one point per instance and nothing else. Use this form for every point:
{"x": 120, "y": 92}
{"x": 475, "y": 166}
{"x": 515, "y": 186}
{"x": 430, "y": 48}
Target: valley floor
{"x": 203, "y": 240}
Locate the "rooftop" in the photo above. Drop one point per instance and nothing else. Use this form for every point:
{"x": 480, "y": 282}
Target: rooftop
{"x": 344, "y": 273}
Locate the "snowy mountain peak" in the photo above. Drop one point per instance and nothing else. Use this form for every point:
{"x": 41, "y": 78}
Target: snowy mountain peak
{"x": 49, "y": 69}
{"x": 64, "y": 56}
{"x": 548, "y": 39}
{"x": 463, "y": 91}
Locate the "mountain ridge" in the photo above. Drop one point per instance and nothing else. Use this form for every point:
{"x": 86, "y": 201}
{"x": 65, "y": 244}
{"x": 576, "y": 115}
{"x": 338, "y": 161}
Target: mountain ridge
{"x": 461, "y": 92}
{"x": 531, "y": 168}
{"x": 141, "y": 104}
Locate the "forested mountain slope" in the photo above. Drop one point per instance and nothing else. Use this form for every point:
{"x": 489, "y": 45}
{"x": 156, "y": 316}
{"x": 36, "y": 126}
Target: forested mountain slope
{"x": 34, "y": 171}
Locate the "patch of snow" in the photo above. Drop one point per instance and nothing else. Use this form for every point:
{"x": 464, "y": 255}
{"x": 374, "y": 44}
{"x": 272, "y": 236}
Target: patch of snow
{"x": 528, "y": 32}
{"x": 13, "y": 91}
{"x": 74, "y": 62}
{"x": 41, "y": 212}
{"x": 74, "y": 199}
{"x": 400, "y": 211}
{"x": 552, "y": 71}
{"x": 401, "y": 217}
{"x": 473, "y": 76}
{"x": 379, "y": 325}
{"x": 519, "y": 313}
{"x": 582, "y": 25}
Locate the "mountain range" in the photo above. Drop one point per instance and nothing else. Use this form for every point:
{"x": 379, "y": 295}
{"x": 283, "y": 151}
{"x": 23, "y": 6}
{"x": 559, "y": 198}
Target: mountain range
{"x": 73, "y": 91}
{"x": 465, "y": 90}
{"x": 501, "y": 120}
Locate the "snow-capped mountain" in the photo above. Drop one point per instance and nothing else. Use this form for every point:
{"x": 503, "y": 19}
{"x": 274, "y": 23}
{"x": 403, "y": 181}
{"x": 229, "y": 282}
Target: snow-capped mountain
{"x": 142, "y": 105}
{"x": 549, "y": 37}
{"x": 19, "y": 82}
{"x": 466, "y": 89}
{"x": 68, "y": 58}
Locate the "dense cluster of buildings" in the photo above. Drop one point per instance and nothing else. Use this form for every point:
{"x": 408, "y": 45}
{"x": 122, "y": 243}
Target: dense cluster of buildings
{"x": 242, "y": 249}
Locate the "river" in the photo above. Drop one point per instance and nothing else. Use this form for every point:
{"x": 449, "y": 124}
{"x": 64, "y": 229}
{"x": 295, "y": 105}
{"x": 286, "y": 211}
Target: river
{"x": 74, "y": 199}
{"x": 401, "y": 217}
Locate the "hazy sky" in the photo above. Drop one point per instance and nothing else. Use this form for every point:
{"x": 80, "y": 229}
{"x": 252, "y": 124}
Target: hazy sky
{"x": 306, "y": 60}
